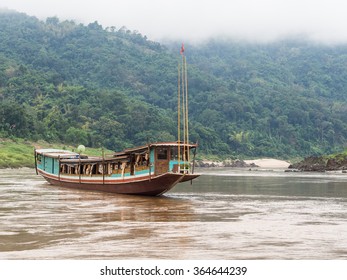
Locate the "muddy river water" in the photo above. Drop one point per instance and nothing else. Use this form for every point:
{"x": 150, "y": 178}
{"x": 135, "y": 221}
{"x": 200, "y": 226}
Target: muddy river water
{"x": 224, "y": 214}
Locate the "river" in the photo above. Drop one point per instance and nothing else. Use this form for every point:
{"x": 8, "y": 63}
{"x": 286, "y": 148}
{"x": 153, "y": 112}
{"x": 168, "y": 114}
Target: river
{"x": 224, "y": 214}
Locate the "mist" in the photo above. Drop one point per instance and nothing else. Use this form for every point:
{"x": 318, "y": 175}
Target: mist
{"x": 321, "y": 21}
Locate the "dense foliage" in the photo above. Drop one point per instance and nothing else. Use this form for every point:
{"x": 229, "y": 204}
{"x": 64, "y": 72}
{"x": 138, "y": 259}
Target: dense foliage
{"x": 62, "y": 81}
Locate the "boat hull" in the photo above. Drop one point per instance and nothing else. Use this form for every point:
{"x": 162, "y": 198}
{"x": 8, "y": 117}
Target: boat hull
{"x": 189, "y": 177}
{"x": 151, "y": 186}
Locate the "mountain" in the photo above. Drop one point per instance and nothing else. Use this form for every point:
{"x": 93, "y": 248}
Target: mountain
{"x": 85, "y": 84}
{"x": 280, "y": 99}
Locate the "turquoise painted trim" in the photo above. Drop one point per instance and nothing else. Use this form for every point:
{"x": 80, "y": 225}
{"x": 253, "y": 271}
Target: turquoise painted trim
{"x": 40, "y": 164}
{"x": 173, "y": 162}
{"x": 56, "y": 166}
{"x": 146, "y": 171}
{"x": 142, "y": 172}
{"x": 152, "y": 160}
{"x": 48, "y": 164}
{"x": 116, "y": 175}
{"x": 120, "y": 175}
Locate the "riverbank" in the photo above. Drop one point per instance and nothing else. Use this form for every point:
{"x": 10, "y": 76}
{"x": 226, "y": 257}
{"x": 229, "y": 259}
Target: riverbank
{"x": 268, "y": 163}
{"x": 16, "y": 153}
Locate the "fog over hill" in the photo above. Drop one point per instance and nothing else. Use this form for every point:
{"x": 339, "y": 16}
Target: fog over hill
{"x": 192, "y": 21}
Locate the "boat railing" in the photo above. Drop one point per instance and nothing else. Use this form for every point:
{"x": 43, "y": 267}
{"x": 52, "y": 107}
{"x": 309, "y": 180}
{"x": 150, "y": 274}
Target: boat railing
{"x": 101, "y": 168}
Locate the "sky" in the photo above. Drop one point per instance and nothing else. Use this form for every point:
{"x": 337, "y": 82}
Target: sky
{"x": 198, "y": 20}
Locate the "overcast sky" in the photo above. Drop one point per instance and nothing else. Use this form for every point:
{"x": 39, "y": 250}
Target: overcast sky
{"x": 195, "y": 20}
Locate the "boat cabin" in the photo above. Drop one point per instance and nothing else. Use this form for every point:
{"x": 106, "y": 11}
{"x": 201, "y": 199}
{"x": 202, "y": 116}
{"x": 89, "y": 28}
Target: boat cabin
{"x": 153, "y": 159}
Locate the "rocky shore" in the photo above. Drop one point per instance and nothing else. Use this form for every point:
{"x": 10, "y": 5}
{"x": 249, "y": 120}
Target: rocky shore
{"x": 227, "y": 163}
{"x": 321, "y": 164}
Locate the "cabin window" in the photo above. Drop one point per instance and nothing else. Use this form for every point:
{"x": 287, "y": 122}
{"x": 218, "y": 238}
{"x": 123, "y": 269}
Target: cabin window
{"x": 174, "y": 153}
{"x": 162, "y": 153}
{"x": 141, "y": 159}
{"x": 38, "y": 158}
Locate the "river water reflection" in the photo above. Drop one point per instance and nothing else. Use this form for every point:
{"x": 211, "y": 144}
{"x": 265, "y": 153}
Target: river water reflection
{"x": 225, "y": 214}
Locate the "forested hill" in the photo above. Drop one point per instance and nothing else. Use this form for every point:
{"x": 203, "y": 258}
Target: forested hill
{"x": 111, "y": 87}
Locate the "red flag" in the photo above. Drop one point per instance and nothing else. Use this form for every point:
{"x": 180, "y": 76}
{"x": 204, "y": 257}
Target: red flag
{"x": 182, "y": 49}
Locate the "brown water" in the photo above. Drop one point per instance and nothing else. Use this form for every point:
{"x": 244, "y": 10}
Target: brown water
{"x": 225, "y": 214}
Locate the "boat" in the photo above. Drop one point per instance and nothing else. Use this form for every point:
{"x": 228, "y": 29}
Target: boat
{"x": 152, "y": 169}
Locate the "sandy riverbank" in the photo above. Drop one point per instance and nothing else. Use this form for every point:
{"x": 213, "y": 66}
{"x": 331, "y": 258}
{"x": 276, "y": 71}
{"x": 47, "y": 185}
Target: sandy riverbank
{"x": 269, "y": 163}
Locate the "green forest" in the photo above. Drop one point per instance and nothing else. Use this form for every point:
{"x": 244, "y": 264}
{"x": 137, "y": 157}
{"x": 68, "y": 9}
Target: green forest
{"x": 110, "y": 87}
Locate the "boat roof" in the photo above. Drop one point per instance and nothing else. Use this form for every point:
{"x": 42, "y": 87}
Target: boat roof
{"x": 157, "y": 144}
{"x": 56, "y": 153}
{"x": 64, "y": 154}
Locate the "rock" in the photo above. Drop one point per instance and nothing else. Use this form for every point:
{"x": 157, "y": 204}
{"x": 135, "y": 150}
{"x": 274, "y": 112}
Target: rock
{"x": 321, "y": 164}
{"x": 291, "y": 170}
{"x": 206, "y": 164}
{"x": 310, "y": 164}
{"x": 227, "y": 163}
{"x": 337, "y": 163}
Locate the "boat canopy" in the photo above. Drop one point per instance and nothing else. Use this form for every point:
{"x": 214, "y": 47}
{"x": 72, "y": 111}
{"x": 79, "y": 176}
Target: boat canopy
{"x": 158, "y": 144}
{"x": 120, "y": 156}
{"x": 56, "y": 153}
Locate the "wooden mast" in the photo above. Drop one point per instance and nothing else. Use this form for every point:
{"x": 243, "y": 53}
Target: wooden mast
{"x": 186, "y": 110}
{"x": 183, "y": 107}
{"x": 183, "y": 86}
{"x": 179, "y": 119}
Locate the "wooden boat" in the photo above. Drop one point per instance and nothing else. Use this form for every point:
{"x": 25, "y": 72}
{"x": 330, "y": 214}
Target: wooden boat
{"x": 152, "y": 169}
{"x": 146, "y": 170}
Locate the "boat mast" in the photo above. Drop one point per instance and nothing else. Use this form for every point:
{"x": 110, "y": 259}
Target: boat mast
{"x": 186, "y": 110}
{"x": 183, "y": 86}
{"x": 183, "y": 106}
{"x": 179, "y": 117}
